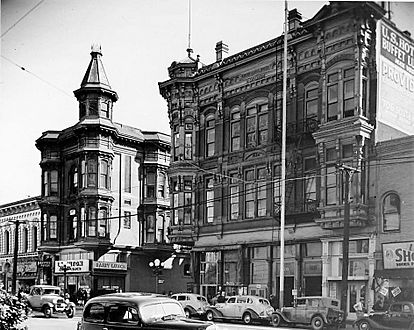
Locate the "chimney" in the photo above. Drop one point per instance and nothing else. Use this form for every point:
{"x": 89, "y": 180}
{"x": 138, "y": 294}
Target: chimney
{"x": 220, "y": 49}
{"x": 294, "y": 19}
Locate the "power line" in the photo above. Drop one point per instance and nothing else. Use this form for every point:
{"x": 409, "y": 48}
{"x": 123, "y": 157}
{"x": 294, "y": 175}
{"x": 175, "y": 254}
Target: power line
{"x": 36, "y": 76}
{"x": 21, "y": 18}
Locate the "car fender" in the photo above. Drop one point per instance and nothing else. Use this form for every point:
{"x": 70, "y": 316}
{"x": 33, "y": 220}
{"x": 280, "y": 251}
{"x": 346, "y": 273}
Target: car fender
{"x": 371, "y": 322}
{"x": 216, "y": 312}
{"x": 47, "y": 303}
{"x": 191, "y": 309}
{"x": 324, "y": 318}
{"x": 252, "y": 313}
{"x": 282, "y": 316}
{"x": 71, "y": 304}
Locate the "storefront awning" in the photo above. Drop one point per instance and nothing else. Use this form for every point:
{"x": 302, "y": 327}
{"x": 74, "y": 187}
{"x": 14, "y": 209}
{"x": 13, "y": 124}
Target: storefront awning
{"x": 405, "y": 273}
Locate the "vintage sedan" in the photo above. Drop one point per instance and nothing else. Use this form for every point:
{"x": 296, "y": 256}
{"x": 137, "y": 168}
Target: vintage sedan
{"x": 400, "y": 315}
{"x": 318, "y": 312}
{"x": 248, "y": 309}
{"x": 193, "y": 304}
{"x": 132, "y": 310}
{"x": 48, "y": 300}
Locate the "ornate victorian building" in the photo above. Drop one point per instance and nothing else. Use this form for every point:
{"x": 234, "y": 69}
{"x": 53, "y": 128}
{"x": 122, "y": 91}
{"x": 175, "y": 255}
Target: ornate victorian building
{"x": 104, "y": 201}
{"x": 226, "y": 155}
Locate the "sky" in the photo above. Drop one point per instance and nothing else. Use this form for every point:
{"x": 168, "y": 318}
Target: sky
{"x": 45, "y": 51}
{"x": 51, "y": 40}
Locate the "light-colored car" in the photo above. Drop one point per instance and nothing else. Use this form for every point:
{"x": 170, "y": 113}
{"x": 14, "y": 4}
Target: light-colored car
{"x": 193, "y": 304}
{"x": 137, "y": 310}
{"x": 48, "y": 300}
{"x": 318, "y": 312}
{"x": 249, "y": 309}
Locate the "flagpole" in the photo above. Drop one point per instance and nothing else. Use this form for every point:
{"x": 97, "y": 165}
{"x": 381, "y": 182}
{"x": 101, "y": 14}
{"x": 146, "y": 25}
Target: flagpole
{"x": 283, "y": 165}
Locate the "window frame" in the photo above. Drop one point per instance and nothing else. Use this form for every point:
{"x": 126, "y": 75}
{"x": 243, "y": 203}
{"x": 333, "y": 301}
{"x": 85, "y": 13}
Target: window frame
{"x": 210, "y": 136}
{"x": 397, "y": 211}
{"x": 209, "y": 195}
{"x": 256, "y": 130}
{"x": 235, "y": 132}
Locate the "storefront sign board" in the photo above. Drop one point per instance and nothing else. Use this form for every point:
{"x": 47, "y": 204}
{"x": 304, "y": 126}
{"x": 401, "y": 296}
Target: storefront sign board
{"x": 76, "y": 266}
{"x": 398, "y": 255}
{"x": 110, "y": 265}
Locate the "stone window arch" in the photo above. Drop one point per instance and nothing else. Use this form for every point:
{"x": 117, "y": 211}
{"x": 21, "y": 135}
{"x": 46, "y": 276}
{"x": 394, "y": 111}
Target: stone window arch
{"x": 391, "y": 212}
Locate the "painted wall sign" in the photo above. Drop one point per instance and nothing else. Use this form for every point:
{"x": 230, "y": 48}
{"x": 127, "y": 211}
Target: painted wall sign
{"x": 398, "y": 255}
{"x": 110, "y": 265}
{"x": 76, "y": 266}
{"x": 396, "y": 79}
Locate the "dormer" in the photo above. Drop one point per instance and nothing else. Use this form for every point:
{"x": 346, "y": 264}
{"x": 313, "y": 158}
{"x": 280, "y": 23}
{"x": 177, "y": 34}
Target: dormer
{"x": 95, "y": 96}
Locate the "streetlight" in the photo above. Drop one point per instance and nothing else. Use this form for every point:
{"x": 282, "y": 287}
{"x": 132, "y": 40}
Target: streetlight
{"x": 64, "y": 266}
{"x": 156, "y": 267}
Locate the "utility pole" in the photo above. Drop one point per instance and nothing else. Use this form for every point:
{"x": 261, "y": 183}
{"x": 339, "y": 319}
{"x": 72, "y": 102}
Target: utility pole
{"x": 15, "y": 254}
{"x": 348, "y": 172}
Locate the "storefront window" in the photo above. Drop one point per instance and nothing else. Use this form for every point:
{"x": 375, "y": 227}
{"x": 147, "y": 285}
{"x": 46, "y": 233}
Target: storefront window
{"x": 209, "y": 271}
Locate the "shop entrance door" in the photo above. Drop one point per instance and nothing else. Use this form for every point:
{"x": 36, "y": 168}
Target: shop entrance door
{"x": 356, "y": 291}
{"x": 208, "y": 291}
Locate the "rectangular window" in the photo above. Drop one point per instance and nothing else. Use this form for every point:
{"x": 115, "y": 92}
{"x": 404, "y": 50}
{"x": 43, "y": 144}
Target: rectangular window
{"x": 175, "y": 208}
{"x": 349, "y": 104}
{"x": 332, "y": 102}
{"x": 210, "y": 138}
{"x": 330, "y": 185}
{"x": 188, "y": 146}
{"x": 311, "y": 106}
{"x": 127, "y": 220}
{"x": 53, "y": 183}
{"x": 105, "y": 109}
{"x": 53, "y": 227}
{"x": 150, "y": 184}
{"x": 127, "y": 178}
{"x": 251, "y": 132}
{"x": 102, "y": 221}
{"x": 46, "y": 183}
{"x": 92, "y": 222}
{"x": 234, "y": 197}
{"x": 261, "y": 192}
{"x": 310, "y": 183}
{"x": 235, "y": 131}
{"x": 263, "y": 125}
{"x": 104, "y": 182}
{"x": 187, "y": 207}
{"x": 210, "y": 200}
{"x": 249, "y": 188}
{"x": 176, "y": 143}
{"x": 92, "y": 172}
{"x": 347, "y": 151}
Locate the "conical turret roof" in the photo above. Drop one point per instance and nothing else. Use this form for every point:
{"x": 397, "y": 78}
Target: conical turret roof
{"x": 95, "y": 74}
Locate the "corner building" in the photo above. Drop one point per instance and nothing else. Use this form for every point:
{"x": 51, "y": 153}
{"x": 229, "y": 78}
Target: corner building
{"x": 104, "y": 201}
{"x": 226, "y": 157}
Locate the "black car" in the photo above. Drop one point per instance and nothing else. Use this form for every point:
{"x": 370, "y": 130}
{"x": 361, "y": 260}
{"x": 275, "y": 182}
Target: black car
{"x": 400, "y": 315}
{"x": 137, "y": 310}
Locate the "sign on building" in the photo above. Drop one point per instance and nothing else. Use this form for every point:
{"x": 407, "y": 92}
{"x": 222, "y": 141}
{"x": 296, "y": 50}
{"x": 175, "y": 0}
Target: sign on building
{"x": 75, "y": 266}
{"x": 398, "y": 255}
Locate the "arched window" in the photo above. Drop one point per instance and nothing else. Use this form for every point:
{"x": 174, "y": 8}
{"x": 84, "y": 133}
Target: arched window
{"x": 235, "y": 130}
{"x": 210, "y": 137}
{"x": 7, "y": 242}
{"x": 257, "y": 124}
{"x": 25, "y": 240}
{"x": 34, "y": 239}
{"x": 391, "y": 210}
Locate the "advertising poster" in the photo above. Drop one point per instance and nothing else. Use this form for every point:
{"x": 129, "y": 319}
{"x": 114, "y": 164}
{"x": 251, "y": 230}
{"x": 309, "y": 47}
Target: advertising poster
{"x": 398, "y": 255}
{"x": 396, "y": 79}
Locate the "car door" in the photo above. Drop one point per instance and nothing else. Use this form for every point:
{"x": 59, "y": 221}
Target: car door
{"x": 300, "y": 311}
{"x": 94, "y": 317}
{"x": 228, "y": 308}
{"x": 406, "y": 316}
{"x": 35, "y": 298}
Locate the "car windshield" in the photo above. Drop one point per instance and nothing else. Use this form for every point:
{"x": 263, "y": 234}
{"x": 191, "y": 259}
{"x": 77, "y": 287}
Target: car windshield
{"x": 51, "y": 291}
{"x": 264, "y": 302}
{"x": 155, "y": 312}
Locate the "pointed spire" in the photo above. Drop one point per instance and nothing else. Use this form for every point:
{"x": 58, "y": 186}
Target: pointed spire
{"x": 95, "y": 74}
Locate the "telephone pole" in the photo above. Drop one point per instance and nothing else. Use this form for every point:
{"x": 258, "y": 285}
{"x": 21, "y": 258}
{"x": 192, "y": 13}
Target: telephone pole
{"x": 15, "y": 253}
{"x": 347, "y": 172}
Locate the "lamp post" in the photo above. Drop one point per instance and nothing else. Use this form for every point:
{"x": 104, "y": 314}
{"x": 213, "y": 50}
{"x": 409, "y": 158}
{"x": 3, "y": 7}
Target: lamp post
{"x": 156, "y": 267}
{"x": 64, "y": 266}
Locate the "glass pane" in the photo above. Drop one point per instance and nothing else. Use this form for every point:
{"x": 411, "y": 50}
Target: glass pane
{"x": 311, "y": 108}
{"x": 251, "y": 124}
{"x": 348, "y": 89}
{"x": 333, "y": 93}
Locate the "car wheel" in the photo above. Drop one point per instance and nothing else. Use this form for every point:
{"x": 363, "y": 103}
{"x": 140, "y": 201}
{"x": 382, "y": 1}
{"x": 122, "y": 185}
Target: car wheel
{"x": 70, "y": 312}
{"x": 187, "y": 313}
{"x": 47, "y": 312}
{"x": 210, "y": 316}
{"x": 364, "y": 325}
{"x": 276, "y": 320}
{"x": 247, "y": 318}
{"x": 317, "y": 323}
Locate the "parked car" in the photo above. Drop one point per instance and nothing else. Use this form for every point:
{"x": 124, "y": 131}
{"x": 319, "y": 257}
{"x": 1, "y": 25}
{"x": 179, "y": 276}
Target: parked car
{"x": 132, "y": 310}
{"x": 48, "y": 300}
{"x": 318, "y": 312}
{"x": 249, "y": 309}
{"x": 400, "y": 315}
{"x": 193, "y": 304}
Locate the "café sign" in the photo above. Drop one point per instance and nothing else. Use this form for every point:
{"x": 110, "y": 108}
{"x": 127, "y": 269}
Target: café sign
{"x": 73, "y": 266}
{"x": 110, "y": 265}
{"x": 398, "y": 255}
